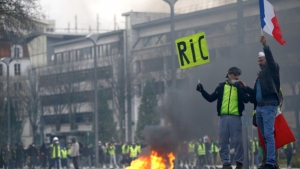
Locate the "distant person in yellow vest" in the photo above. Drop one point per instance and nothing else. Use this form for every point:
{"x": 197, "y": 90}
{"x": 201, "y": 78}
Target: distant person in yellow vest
{"x": 191, "y": 153}
{"x": 55, "y": 153}
{"x": 139, "y": 147}
{"x": 133, "y": 152}
{"x": 111, "y": 150}
{"x": 125, "y": 153}
{"x": 201, "y": 151}
{"x": 214, "y": 149}
{"x": 289, "y": 149}
{"x": 64, "y": 158}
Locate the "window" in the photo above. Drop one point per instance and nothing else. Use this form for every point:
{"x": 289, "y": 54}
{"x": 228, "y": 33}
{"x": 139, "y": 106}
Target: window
{"x": 17, "y": 86}
{"x": 17, "y": 69}
{"x": 16, "y": 51}
{"x": 1, "y": 70}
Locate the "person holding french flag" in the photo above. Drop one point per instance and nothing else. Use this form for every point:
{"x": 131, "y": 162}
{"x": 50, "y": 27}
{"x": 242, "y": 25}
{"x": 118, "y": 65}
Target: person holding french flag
{"x": 266, "y": 93}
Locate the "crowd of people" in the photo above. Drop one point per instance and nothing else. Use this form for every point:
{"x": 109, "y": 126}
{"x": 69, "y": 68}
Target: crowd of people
{"x": 74, "y": 155}
{"x": 204, "y": 152}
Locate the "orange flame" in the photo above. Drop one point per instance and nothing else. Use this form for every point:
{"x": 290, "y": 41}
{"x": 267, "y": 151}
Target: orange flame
{"x": 153, "y": 162}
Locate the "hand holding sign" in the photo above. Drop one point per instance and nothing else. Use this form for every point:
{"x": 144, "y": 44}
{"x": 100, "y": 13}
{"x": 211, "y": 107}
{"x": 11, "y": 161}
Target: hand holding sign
{"x": 192, "y": 51}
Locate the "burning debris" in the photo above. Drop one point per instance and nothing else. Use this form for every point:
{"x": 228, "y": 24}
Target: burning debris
{"x": 160, "y": 153}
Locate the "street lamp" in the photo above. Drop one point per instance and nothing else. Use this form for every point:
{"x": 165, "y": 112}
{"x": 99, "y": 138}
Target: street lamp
{"x": 94, "y": 38}
{"x": 173, "y": 72}
{"x": 7, "y": 61}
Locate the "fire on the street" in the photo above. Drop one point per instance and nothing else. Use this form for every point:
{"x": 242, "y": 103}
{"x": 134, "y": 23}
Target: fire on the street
{"x": 154, "y": 161}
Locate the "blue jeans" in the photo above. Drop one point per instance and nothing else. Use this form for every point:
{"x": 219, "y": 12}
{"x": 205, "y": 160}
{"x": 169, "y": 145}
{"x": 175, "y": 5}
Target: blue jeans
{"x": 230, "y": 127}
{"x": 265, "y": 117}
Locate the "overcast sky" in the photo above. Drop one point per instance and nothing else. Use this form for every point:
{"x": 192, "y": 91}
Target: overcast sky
{"x": 64, "y": 11}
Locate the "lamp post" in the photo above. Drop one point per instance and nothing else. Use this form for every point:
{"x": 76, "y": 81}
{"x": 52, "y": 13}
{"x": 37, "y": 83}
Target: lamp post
{"x": 7, "y": 61}
{"x": 94, "y": 38}
{"x": 173, "y": 70}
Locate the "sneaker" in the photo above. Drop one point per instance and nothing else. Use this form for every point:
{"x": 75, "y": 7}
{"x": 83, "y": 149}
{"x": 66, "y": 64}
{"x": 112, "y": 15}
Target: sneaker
{"x": 226, "y": 167}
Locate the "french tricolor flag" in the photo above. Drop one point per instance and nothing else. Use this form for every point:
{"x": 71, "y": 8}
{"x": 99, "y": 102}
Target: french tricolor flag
{"x": 269, "y": 22}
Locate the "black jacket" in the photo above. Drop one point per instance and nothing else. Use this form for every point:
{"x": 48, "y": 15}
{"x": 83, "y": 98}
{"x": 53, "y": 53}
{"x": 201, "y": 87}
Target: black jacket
{"x": 269, "y": 78}
{"x": 218, "y": 94}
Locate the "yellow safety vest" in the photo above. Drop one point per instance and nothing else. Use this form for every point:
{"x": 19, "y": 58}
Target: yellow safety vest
{"x": 69, "y": 151}
{"x": 285, "y": 146}
{"x": 53, "y": 149}
{"x": 214, "y": 148}
{"x": 253, "y": 145}
{"x": 111, "y": 150}
{"x": 230, "y": 101}
{"x": 139, "y": 148}
{"x": 201, "y": 149}
{"x": 191, "y": 148}
{"x": 133, "y": 152}
{"x": 64, "y": 153}
{"x": 125, "y": 149}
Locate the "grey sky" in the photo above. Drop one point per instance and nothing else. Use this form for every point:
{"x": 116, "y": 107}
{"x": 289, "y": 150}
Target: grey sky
{"x": 64, "y": 11}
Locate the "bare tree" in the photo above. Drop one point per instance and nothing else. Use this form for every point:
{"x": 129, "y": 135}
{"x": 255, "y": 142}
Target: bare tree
{"x": 26, "y": 94}
{"x": 17, "y": 18}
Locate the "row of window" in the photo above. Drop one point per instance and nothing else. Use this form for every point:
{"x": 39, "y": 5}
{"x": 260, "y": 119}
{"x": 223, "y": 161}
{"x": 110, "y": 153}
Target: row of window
{"x": 87, "y": 53}
{"x": 17, "y": 69}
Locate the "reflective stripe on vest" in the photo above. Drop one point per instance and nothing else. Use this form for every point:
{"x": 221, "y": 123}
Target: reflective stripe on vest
{"x": 201, "y": 149}
{"x": 191, "y": 148}
{"x": 230, "y": 101}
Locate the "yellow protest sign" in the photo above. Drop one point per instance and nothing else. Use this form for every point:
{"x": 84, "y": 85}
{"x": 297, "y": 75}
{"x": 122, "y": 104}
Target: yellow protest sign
{"x": 192, "y": 50}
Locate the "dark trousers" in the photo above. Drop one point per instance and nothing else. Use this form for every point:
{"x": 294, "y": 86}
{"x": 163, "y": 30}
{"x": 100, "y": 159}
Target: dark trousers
{"x": 64, "y": 163}
{"x": 19, "y": 163}
{"x": 54, "y": 161}
{"x": 32, "y": 163}
{"x": 75, "y": 162}
{"x": 289, "y": 155}
{"x": 8, "y": 164}
{"x": 201, "y": 160}
{"x": 43, "y": 161}
{"x": 214, "y": 155}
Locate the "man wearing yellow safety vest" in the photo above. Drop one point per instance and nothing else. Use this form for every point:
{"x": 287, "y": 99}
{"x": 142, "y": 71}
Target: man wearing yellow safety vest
{"x": 64, "y": 158}
{"x": 230, "y": 105}
{"x": 214, "y": 149}
{"x": 133, "y": 152}
{"x": 288, "y": 150}
{"x": 125, "y": 153}
{"x": 200, "y": 150}
{"x": 191, "y": 153}
{"x": 111, "y": 150}
{"x": 55, "y": 153}
{"x": 139, "y": 147}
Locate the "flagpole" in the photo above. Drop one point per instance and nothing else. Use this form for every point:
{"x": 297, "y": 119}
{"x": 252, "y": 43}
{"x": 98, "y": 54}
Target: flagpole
{"x": 261, "y": 32}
